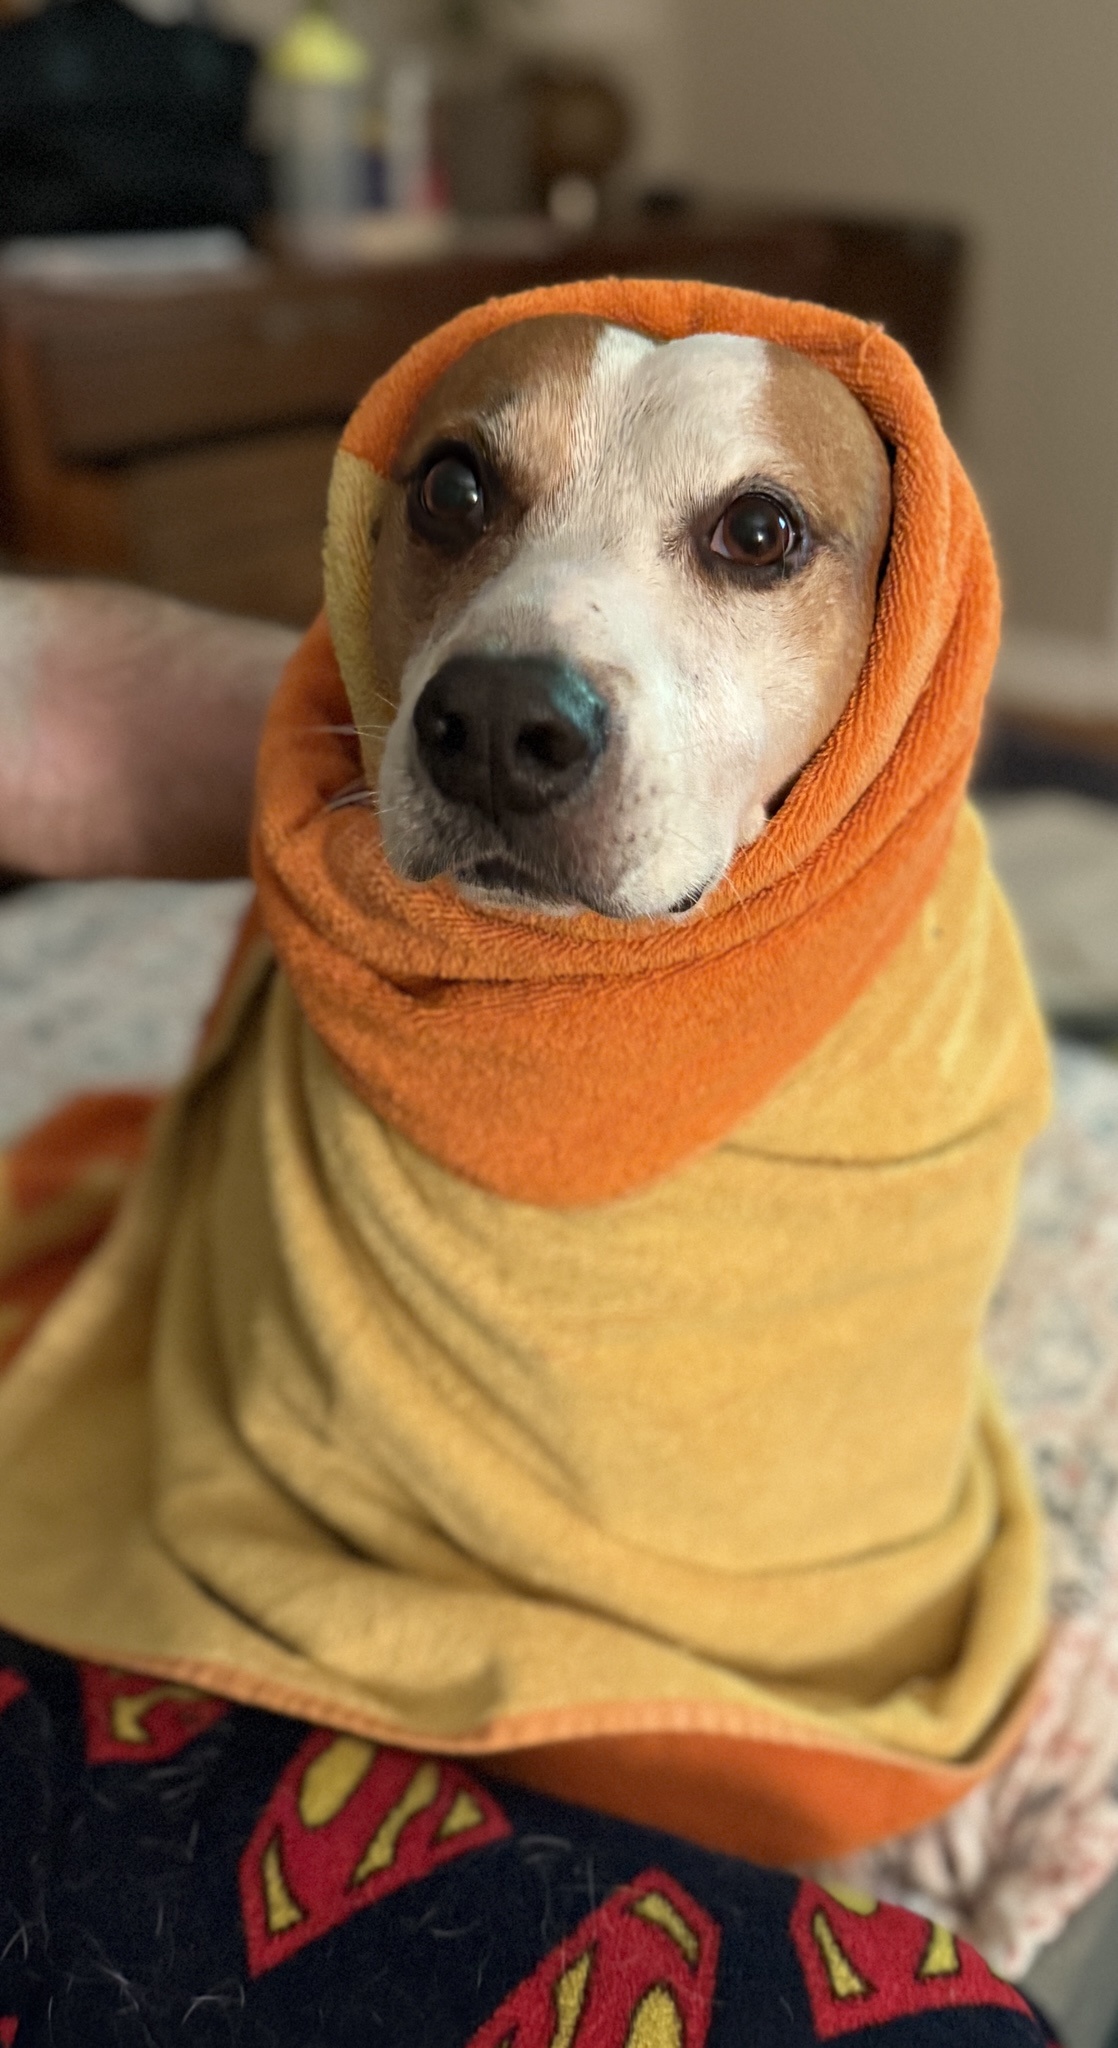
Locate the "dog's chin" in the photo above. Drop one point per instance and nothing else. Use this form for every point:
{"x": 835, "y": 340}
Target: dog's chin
{"x": 561, "y": 876}
{"x": 503, "y": 879}
{"x": 500, "y": 884}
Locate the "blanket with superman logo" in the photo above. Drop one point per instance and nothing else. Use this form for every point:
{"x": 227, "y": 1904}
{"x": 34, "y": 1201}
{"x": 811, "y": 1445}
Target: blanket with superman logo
{"x": 177, "y": 1870}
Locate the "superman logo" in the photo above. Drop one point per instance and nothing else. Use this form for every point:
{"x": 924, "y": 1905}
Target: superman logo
{"x": 638, "y": 1973}
{"x": 347, "y": 1823}
{"x": 13, "y": 1685}
{"x": 130, "y": 1719}
{"x": 865, "y": 1963}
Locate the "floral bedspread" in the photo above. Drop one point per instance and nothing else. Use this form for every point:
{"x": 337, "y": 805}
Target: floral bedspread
{"x": 1011, "y": 1863}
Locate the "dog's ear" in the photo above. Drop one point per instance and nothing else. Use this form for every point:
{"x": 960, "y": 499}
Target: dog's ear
{"x": 353, "y": 514}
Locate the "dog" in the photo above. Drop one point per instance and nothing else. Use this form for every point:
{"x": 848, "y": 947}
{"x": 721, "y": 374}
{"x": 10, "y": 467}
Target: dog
{"x": 622, "y": 592}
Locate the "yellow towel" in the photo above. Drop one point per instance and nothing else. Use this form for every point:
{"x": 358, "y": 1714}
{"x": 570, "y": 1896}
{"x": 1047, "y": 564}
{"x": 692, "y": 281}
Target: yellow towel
{"x": 323, "y": 1425}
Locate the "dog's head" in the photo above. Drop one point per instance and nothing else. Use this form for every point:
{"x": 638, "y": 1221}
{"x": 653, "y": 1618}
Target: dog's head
{"x": 622, "y": 590}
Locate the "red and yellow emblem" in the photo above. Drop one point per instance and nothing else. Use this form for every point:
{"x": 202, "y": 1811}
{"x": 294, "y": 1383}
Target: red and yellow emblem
{"x": 638, "y": 1973}
{"x": 347, "y": 1823}
{"x": 134, "y": 1720}
{"x": 865, "y": 1963}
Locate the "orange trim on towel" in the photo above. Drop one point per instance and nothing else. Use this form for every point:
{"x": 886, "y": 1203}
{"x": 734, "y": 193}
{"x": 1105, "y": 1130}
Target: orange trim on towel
{"x": 741, "y": 1792}
{"x": 60, "y": 1184}
{"x": 26, "y": 1296}
{"x": 779, "y": 1803}
{"x": 44, "y": 1164}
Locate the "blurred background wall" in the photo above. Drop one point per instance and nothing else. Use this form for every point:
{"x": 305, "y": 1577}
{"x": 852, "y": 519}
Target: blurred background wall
{"x": 1003, "y": 116}
{"x": 997, "y": 116}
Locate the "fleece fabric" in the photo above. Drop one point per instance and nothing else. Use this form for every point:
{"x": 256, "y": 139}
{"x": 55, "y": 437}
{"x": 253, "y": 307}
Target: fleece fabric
{"x": 652, "y": 1453}
{"x": 177, "y": 1871}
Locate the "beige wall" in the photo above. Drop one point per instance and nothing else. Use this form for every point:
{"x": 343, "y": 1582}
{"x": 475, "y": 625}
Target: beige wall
{"x": 999, "y": 114}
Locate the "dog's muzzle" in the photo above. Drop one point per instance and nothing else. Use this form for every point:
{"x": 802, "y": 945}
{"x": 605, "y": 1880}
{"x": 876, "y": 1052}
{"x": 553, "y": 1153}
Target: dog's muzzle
{"x": 509, "y": 735}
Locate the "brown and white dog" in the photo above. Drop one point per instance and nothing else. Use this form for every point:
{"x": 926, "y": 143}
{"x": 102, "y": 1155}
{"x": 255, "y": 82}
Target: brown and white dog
{"x": 622, "y": 592}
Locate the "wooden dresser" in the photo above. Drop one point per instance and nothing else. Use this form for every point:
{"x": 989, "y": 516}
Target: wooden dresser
{"x": 181, "y": 437}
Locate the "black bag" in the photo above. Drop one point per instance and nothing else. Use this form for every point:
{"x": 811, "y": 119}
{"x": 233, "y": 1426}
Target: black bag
{"x": 110, "y": 123}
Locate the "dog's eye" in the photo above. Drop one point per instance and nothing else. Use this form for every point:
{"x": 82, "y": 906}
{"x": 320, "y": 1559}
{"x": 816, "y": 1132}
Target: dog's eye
{"x": 756, "y": 531}
{"x": 450, "y": 490}
{"x": 447, "y": 498}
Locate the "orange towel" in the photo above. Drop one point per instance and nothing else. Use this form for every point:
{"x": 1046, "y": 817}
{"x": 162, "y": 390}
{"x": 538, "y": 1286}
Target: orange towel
{"x": 525, "y": 1053}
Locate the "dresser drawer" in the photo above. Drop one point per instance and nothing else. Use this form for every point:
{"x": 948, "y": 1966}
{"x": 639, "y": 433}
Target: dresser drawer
{"x": 235, "y": 526}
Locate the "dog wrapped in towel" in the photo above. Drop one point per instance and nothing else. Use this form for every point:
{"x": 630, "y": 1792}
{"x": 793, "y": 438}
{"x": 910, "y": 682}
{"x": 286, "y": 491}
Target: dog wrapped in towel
{"x": 549, "y": 1337}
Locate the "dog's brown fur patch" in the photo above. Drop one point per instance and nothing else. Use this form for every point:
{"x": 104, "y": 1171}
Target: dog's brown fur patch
{"x": 835, "y": 462}
{"x": 532, "y": 372}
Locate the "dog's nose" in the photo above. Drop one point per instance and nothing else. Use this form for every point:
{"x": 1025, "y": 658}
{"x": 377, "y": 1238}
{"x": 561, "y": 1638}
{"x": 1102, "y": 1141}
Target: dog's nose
{"x": 509, "y": 733}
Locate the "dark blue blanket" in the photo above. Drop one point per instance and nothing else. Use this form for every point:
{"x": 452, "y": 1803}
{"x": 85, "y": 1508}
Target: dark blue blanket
{"x": 179, "y": 1872}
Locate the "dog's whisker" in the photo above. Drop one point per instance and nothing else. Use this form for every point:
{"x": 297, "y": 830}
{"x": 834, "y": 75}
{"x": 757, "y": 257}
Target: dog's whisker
{"x": 359, "y": 793}
{"x": 352, "y": 794}
{"x": 371, "y": 732}
{"x": 400, "y": 807}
